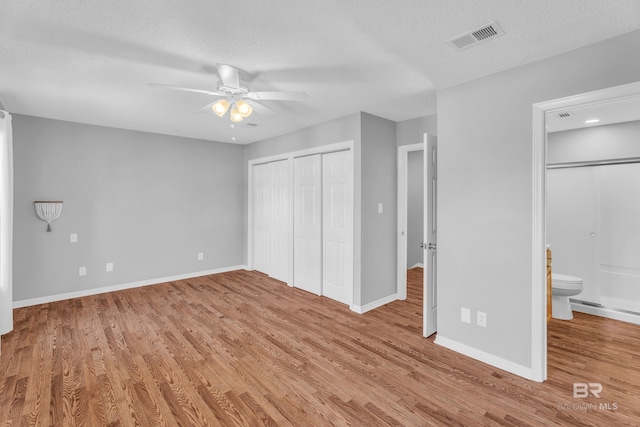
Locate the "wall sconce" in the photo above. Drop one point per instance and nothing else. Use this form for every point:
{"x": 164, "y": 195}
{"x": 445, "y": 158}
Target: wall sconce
{"x": 48, "y": 211}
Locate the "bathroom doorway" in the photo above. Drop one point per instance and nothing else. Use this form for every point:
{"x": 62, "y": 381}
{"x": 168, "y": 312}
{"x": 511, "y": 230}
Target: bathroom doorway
{"x": 544, "y": 114}
{"x": 593, "y": 175}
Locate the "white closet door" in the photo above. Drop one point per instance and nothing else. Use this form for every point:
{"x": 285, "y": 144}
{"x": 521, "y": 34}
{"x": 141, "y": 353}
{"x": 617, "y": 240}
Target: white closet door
{"x": 279, "y": 220}
{"x": 307, "y": 226}
{"x": 337, "y": 207}
{"x": 271, "y": 219}
{"x": 261, "y": 198}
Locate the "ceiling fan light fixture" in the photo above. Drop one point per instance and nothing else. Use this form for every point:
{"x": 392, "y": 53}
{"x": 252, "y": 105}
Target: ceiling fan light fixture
{"x": 235, "y": 115}
{"x": 220, "y": 107}
{"x": 244, "y": 108}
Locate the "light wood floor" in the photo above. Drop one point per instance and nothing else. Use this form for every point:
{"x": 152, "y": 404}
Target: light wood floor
{"x": 241, "y": 349}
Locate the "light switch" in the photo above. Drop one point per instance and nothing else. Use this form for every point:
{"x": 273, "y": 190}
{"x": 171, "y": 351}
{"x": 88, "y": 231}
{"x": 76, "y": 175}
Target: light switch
{"x": 73, "y": 238}
{"x": 380, "y": 209}
{"x": 109, "y": 267}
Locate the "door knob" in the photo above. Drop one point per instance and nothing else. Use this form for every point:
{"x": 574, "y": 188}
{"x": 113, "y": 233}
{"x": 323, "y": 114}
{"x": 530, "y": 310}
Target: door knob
{"x": 422, "y": 245}
{"x": 431, "y": 246}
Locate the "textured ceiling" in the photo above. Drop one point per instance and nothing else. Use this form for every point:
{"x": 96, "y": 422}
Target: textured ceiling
{"x": 90, "y": 61}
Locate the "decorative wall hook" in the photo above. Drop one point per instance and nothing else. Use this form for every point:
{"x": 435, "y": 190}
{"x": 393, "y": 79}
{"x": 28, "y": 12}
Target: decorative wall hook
{"x": 48, "y": 211}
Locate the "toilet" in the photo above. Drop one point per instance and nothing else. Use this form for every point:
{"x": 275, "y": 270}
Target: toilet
{"x": 563, "y": 287}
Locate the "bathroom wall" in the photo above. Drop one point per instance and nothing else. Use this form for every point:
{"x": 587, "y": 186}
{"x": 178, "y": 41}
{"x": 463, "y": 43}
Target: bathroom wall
{"x": 595, "y": 143}
{"x": 592, "y": 214}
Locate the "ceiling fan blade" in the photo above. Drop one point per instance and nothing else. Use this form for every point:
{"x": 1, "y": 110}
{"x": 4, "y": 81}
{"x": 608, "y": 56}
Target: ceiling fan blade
{"x": 229, "y": 75}
{"x": 278, "y": 96}
{"x": 261, "y": 109}
{"x": 184, "y": 89}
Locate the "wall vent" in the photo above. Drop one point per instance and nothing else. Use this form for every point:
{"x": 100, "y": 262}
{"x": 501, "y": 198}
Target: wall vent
{"x": 251, "y": 125}
{"x": 474, "y": 37}
{"x": 565, "y": 114}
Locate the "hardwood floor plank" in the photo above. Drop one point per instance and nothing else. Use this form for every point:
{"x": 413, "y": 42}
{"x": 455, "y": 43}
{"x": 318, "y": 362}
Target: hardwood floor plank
{"x": 241, "y": 349}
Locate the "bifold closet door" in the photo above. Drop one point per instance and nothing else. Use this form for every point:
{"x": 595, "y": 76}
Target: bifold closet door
{"x": 307, "y": 224}
{"x": 337, "y": 226}
{"x": 271, "y": 219}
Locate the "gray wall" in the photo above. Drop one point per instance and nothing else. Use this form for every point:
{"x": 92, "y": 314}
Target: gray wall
{"x": 337, "y": 130}
{"x": 415, "y": 208}
{"x": 379, "y": 185}
{"x": 594, "y": 143}
{"x": 412, "y": 131}
{"x": 146, "y": 202}
{"x": 485, "y": 198}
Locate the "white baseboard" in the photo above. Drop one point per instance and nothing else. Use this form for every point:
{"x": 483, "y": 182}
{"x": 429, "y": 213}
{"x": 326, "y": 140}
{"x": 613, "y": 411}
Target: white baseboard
{"x": 490, "y": 359}
{"x": 375, "y": 304}
{"x": 606, "y": 312}
{"x": 96, "y": 291}
{"x": 421, "y": 265}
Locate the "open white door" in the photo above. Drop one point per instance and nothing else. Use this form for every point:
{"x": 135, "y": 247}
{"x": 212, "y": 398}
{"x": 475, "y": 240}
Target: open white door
{"x": 307, "y": 224}
{"x": 430, "y": 235}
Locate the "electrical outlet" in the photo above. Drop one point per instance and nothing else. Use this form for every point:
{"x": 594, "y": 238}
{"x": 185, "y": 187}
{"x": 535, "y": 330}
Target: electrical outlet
{"x": 200, "y": 256}
{"x": 73, "y": 238}
{"x": 465, "y": 315}
{"x": 482, "y": 319}
{"x": 82, "y": 271}
{"x": 109, "y": 267}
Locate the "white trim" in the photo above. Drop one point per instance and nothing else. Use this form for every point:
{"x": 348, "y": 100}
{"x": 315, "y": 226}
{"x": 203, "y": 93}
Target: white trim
{"x": 96, "y": 291}
{"x": 538, "y": 300}
{"x": 360, "y": 309}
{"x": 606, "y": 312}
{"x": 484, "y": 357}
{"x": 539, "y": 246}
{"x": 419, "y": 264}
{"x": 403, "y": 162}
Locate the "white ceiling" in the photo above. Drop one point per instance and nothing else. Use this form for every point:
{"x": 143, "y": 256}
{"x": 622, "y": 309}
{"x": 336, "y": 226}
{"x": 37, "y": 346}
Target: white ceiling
{"x": 89, "y": 61}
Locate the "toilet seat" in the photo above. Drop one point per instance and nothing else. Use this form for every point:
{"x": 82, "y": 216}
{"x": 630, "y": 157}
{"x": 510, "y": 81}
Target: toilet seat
{"x": 564, "y": 281}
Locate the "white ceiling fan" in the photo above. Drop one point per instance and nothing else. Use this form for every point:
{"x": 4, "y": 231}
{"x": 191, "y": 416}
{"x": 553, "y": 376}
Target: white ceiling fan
{"x": 236, "y": 97}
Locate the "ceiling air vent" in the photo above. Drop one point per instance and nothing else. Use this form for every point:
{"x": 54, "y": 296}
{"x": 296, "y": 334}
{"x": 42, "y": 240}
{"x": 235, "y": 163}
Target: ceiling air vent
{"x": 251, "y": 125}
{"x": 474, "y": 37}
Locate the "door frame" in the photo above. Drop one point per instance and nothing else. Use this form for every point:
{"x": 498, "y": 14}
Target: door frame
{"x": 339, "y": 146}
{"x": 539, "y": 258}
{"x": 403, "y": 211}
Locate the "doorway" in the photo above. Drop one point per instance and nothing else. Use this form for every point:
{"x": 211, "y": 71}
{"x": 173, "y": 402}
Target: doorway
{"x": 405, "y": 244}
{"x": 427, "y": 240}
{"x": 540, "y": 111}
